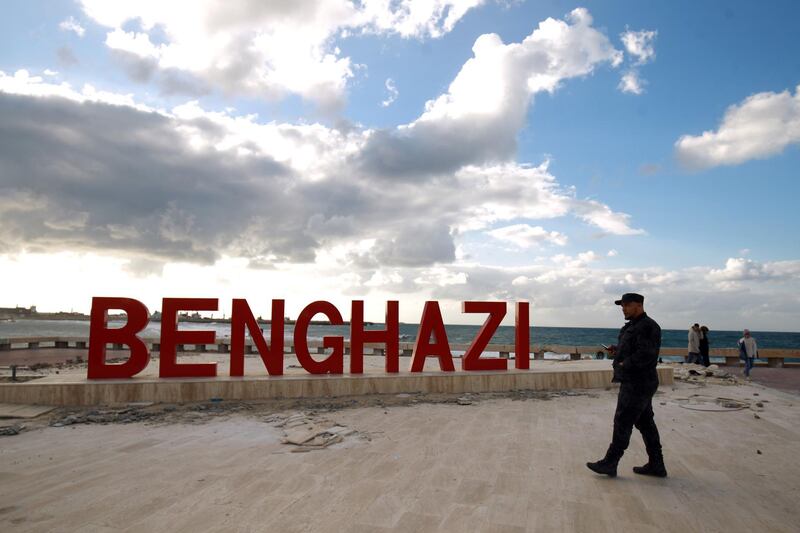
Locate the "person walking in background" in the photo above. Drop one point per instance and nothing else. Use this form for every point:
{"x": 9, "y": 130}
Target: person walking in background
{"x": 694, "y": 344}
{"x": 635, "y": 359}
{"x": 748, "y": 350}
{"x": 704, "y": 358}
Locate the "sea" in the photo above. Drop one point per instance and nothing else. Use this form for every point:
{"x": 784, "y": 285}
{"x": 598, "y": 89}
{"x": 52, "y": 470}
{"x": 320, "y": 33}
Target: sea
{"x": 456, "y": 334}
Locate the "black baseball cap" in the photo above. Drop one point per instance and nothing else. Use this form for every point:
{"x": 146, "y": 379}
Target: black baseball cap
{"x": 630, "y": 297}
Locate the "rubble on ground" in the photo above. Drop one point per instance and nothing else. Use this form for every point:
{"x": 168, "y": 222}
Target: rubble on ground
{"x": 309, "y": 431}
{"x": 13, "y": 429}
{"x": 692, "y": 373}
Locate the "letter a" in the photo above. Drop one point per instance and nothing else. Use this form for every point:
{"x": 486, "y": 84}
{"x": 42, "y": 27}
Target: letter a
{"x": 431, "y": 323}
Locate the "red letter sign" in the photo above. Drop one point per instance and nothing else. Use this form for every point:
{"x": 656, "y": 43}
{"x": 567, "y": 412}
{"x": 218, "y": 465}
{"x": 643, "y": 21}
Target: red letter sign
{"x": 431, "y": 323}
{"x": 99, "y": 335}
{"x": 272, "y": 357}
{"x": 522, "y": 337}
{"x": 333, "y": 364}
{"x": 472, "y": 359}
{"x": 389, "y": 336}
{"x": 171, "y": 337}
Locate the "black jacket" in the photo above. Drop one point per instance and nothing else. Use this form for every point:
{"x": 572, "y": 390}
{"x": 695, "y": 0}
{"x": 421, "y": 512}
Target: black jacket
{"x": 637, "y": 351}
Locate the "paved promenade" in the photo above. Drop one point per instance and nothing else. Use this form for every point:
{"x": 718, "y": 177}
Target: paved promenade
{"x": 497, "y": 464}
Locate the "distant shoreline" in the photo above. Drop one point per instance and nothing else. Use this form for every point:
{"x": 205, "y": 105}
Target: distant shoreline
{"x": 80, "y": 317}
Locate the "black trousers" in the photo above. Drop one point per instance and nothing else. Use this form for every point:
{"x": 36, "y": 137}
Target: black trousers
{"x": 635, "y": 409}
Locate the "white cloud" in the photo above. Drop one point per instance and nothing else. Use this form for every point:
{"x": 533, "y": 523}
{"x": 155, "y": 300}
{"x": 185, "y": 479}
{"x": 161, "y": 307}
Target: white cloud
{"x": 639, "y": 44}
{"x": 603, "y": 217}
{"x": 72, "y": 25}
{"x": 304, "y": 180}
{"x": 262, "y": 49}
{"x": 414, "y": 18}
{"x": 526, "y": 236}
{"x": 392, "y": 89}
{"x": 739, "y": 269}
{"x": 477, "y": 121}
{"x": 630, "y": 83}
{"x": 612, "y": 253}
{"x": 23, "y": 83}
{"x": 761, "y": 126}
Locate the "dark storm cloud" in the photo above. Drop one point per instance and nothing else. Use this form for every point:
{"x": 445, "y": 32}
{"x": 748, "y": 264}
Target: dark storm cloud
{"x": 109, "y": 178}
{"x": 96, "y": 176}
{"x": 434, "y": 148}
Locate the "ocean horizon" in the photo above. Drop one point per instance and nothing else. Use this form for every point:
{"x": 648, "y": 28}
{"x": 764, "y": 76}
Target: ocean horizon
{"x": 456, "y": 333}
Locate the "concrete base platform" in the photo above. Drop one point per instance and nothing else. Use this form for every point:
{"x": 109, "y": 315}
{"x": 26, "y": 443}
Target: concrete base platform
{"x": 75, "y": 389}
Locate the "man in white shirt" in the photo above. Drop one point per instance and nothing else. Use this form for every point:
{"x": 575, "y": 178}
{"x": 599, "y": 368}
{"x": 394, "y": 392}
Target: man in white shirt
{"x": 748, "y": 350}
{"x": 694, "y": 344}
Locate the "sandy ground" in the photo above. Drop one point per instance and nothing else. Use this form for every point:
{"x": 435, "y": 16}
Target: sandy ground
{"x": 415, "y": 463}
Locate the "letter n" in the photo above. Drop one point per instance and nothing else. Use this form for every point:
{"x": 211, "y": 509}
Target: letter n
{"x": 100, "y": 335}
{"x": 272, "y": 356}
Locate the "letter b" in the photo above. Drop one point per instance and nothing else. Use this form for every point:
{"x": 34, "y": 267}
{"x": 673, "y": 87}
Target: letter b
{"x": 100, "y": 335}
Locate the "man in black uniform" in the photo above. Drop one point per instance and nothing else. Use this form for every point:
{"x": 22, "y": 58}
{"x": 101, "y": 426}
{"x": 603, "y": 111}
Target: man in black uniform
{"x": 635, "y": 359}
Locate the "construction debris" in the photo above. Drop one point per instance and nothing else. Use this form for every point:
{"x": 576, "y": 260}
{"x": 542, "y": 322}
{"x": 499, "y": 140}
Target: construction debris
{"x": 8, "y": 431}
{"x": 308, "y": 431}
{"x": 692, "y": 373}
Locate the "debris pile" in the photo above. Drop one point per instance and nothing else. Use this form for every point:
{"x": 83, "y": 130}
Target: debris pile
{"x": 126, "y": 415}
{"x": 307, "y": 431}
{"x": 702, "y": 402}
{"x": 13, "y": 429}
{"x": 692, "y": 373}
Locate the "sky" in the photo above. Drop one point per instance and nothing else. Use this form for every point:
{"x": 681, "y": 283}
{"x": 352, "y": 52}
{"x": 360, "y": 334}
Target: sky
{"x": 552, "y": 152}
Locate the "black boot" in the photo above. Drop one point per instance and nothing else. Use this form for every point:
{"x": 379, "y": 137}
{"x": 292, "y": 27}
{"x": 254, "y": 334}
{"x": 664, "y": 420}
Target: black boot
{"x": 654, "y": 467}
{"x": 604, "y": 466}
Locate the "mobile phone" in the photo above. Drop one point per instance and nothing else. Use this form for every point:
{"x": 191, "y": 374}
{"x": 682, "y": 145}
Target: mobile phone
{"x": 606, "y": 347}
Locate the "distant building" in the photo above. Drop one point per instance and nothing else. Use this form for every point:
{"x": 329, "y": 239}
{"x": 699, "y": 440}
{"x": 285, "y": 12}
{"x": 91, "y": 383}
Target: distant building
{"x": 17, "y": 312}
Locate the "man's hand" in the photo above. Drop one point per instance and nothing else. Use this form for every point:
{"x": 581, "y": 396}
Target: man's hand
{"x": 612, "y": 349}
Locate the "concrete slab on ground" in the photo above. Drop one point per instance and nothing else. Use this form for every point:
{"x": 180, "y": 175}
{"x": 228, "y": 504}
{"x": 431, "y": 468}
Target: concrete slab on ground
{"x": 72, "y": 387}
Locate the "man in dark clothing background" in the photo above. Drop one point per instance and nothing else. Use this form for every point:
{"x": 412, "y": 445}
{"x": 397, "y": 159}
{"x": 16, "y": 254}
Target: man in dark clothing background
{"x": 635, "y": 360}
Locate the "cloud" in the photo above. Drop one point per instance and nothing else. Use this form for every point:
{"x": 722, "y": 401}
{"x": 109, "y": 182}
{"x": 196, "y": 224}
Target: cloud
{"x": 649, "y": 169}
{"x": 66, "y": 56}
{"x": 639, "y": 44}
{"x": 630, "y": 83}
{"x": 603, "y": 217}
{"x": 392, "y": 93}
{"x": 476, "y": 122}
{"x": 261, "y": 49}
{"x": 761, "y": 126}
{"x": 742, "y": 269}
{"x": 578, "y": 291}
{"x": 193, "y": 185}
{"x": 70, "y": 24}
{"x": 526, "y": 236}
{"x": 416, "y": 19}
